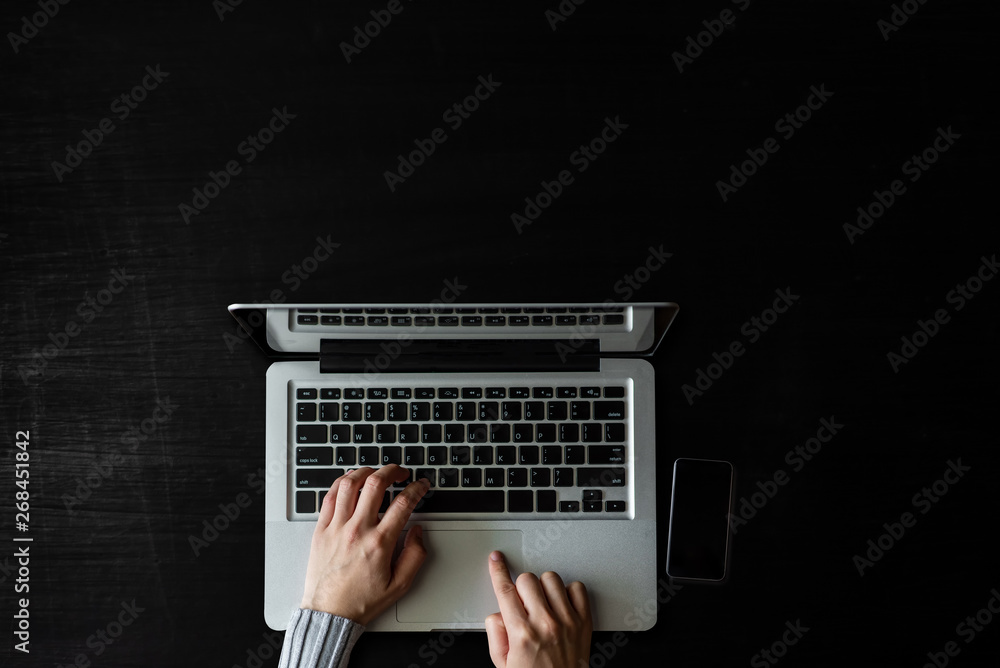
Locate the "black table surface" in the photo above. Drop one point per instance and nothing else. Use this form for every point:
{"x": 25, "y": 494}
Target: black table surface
{"x": 899, "y": 93}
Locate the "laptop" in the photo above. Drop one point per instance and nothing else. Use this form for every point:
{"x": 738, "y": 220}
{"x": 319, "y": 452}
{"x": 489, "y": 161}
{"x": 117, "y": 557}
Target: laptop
{"x": 535, "y": 424}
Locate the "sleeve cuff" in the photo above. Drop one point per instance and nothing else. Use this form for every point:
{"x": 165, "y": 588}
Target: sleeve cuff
{"x": 318, "y": 640}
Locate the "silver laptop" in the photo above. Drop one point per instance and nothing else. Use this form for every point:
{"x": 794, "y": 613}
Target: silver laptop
{"x": 534, "y": 422}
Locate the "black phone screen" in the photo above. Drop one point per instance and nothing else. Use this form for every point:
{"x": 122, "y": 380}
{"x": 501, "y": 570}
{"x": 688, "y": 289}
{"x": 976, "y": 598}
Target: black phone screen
{"x": 699, "y": 519}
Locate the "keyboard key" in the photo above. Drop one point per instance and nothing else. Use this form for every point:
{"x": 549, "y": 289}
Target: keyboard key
{"x": 430, "y": 433}
{"x": 307, "y": 320}
{"x": 527, "y": 454}
{"x": 448, "y": 393}
{"x": 541, "y": 392}
{"x": 566, "y": 320}
{"x": 614, "y": 506}
{"x": 557, "y": 410}
{"x": 385, "y": 433}
{"x": 305, "y": 502}
{"x": 401, "y": 393}
{"x": 545, "y": 501}
{"x": 482, "y": 455}
{"x": 592, "y": 495}
{"x": 400, "y": 321}
{"x": 329, "y": 320}
{"x": 519, "y": 501}
{"x": 496, "y": 393}
{"x": 430, "y": 475}
{"x": 510, "y": 309}
{"x": 590, "y": 392}
{"x": 448, "y": 321}
{"x": 534, "y": 309}
{"x": 614, "y": 319}
{"x": 541, "y": 320}
{"x": 579, "y": 410}
{"x": 352, "y": 310}
{"x": 472, "y": 477}
{"x": 606, "y": 454}
{"x": 374, "y": 412}
{"x": 305, "y": 393}
{"x": 575, "y": 454}
{"x": 614, "y": 392}
{"x": 329, "y": 411}
{"x": 524, "y": 433}
{"x": 424, "y": 392}
{"x": 506, "y": 455}
{"x": 472, "y": 320}
{"x": 378, "y": 393}
{"x": 600, "y": 477}
{"x": 437, "y": 455}
{"x": 368, "y": 456}
{"x": 305, "y": 412}
{"x": 493, "y": 477}
{"x": 551, "y": 455}
{"x": 534, "y": 410}
{"x": 518, "y": 320}
{"x": 477, "y": 433}
{"x": 489, "y": 410}
{"x": 346, "y": 456}
{"x": 614, "y": 432}
{"x": 546, "y": 433}
{"x": 569, "y": 433}
{"x": 472, "y": 393}
{"x": 519, "y": 393}
{"x": 459, "y": 455}
{"x": 454, "y": 433}
{"x": 462, "y": 501}
{"x": 311, "y": 433}
{"x": 562, "y": 477}
{"x": 592, "y": 432}
{"x": 489, "y": 310}
{"x": 495, "y": 321}
{"x": 540, "y": 477}
{"x": 460, "y": 311}
{"x": 409, "y": 433}
{"x": 609, "y": 410}
{"x": 354, "y": 393}
{"x": 510, "y": 410}
{"x": 396, "y": 411}
{"x": 448, "y": 477}
{"x": 317, "y": 477}
{"x": 314, "y": 456}
{"x": 499, "y": 433}
{"x": 517, "y": 477}
{"x": 569, "y": 506}
{"x": 340, "y": 433}
{"x": 465, "y": 411}
{"x": 378, "y": 321}
{"x": 420, "y": 411}
{"x": 329, "y": 393}
{"x": 592, "y": 506}
{"x": 566, "y": 392}
{"x": 424, "y": 321}
{"x": 590, "y": 320}
{"x": 354, "y": 320}
{"x": 392, "y": 454}
{"x": 351, "y": 412}
{"x": 374, "y": 310}
{"x": 386, "y": 500}
{"x": 444, "y": 310}
{"x": 413, "y": 456}
{"x": 364, "y": 433}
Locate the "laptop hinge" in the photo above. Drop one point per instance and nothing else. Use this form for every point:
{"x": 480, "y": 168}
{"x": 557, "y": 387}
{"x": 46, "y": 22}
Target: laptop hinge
{"x": 415, "y": 355}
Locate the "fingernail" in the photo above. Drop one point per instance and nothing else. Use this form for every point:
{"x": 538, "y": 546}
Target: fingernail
{"x": 495, "y": 555}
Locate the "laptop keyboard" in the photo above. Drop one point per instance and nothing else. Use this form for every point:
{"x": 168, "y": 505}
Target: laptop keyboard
{"x": 461, "y": 317}
{"x": 548, "y": 450}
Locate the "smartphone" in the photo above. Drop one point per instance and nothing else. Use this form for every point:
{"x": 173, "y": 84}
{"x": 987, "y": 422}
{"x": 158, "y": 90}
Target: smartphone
{"x": 698, "y": 538}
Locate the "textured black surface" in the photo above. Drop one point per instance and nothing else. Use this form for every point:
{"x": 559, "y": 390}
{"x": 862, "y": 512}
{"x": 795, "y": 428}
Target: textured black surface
{"x": 165, "y": 336}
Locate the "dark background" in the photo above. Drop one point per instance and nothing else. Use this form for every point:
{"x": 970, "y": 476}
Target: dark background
{"x": 164, "y": 337}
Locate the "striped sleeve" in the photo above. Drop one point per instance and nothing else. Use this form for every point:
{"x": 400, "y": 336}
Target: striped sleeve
{"x": 318, "y": 640}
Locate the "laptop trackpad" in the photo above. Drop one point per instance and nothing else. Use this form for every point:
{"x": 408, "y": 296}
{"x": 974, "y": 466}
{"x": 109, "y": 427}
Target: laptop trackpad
{"x": 454, "y": 583}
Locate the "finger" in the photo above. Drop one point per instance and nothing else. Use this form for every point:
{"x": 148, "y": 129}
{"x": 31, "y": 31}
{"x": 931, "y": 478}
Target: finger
{"x": 399, "y": 511}
{"x": 329, "y": 502}
{"x": 410, "y": 559}
{"x": 496, "y": 636}
{"x": 347, "y": 495}
{"x": 374, "y": 490}
{"x": 581, "y": 602}
{"x": 532, "y": 596}
{"x": 555, "y": 594}
{"x": 503, "y": 587}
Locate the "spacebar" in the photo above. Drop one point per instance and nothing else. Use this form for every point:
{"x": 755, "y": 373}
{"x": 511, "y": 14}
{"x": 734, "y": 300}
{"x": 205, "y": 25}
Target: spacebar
{"x": 481, "y": 501}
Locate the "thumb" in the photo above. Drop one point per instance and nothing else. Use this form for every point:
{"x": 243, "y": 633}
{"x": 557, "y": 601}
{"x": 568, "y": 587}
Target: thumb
{"x": 496, "y": 635}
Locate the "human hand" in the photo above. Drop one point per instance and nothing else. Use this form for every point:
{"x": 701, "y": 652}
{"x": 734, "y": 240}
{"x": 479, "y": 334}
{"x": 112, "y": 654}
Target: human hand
{"x": 350, "y": 572}
{"x": 542, "y": 623}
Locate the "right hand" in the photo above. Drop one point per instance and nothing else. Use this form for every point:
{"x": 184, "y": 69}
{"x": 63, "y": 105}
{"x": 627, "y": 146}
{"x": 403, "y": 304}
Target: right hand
{"x": 541, "y": 624}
